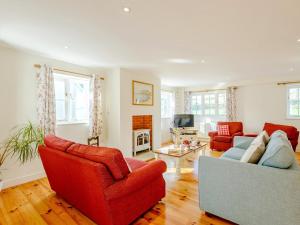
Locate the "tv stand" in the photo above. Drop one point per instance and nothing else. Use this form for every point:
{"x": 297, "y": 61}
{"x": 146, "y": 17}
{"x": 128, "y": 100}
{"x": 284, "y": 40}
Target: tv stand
{"x": 184, "y": 133}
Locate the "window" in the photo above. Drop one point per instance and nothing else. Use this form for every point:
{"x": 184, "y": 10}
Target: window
{"x": 209, "y": 103}
{"x": 167, "y": 104}
{"x": 71, "y": 98}
{"x": 293, "y": 102}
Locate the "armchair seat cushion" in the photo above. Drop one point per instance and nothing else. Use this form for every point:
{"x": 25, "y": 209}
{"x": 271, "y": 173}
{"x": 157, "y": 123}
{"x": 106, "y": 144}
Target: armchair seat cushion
{"x": 233, "y": 153}
{"x": 226, "y": 139}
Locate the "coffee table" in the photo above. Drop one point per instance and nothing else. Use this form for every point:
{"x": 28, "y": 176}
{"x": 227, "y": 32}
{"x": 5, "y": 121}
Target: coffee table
{"x": 179, "y": 154}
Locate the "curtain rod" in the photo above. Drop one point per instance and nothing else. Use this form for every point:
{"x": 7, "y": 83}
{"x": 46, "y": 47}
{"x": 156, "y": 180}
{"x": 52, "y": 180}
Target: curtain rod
{"x": 211, "y": 90}
{"x": 38, "y": 66}
{"x": 291, "y": 82}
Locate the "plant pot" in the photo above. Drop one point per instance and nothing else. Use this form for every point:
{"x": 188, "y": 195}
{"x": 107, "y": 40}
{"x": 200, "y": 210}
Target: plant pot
{"x": 1, "y": 185}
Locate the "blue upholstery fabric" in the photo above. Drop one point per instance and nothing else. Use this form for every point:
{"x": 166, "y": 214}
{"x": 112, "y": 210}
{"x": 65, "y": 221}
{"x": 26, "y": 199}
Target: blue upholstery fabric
{"x": 233, "y": 153}
{"x": 279, "y": 153}
{"x": 242, "y": 142}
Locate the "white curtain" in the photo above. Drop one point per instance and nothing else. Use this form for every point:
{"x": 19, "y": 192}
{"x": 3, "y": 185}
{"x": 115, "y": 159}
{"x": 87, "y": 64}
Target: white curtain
{"x": 46, "y": 100}
{"x": 96, "y": 111}
{"x": 231, "y": 104}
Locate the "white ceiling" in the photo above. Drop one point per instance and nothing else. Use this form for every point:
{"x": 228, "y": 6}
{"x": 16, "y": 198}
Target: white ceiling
{"x": 240, "y": 40}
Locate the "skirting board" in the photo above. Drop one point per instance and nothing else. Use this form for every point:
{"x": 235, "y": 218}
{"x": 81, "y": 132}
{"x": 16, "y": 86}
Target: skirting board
{"x": 24, "y": 179}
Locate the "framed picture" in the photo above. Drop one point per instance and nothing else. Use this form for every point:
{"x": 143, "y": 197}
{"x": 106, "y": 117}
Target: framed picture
{"x": 142, "y": 93}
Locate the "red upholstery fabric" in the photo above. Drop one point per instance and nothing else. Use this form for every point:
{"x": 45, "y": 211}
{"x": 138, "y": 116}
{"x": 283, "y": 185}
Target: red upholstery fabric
{"x": 226, "y": 139}
{"x": 135, "y": 164}
{"x": 292, "y": 132}
{"x": 223, "y": 143}
{"x": 89, "y": 185}
{"x": 112, "y": 158}
{"x": 57, "y": 143}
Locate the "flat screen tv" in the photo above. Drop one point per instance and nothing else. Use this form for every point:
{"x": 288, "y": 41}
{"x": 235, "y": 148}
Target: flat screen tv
{"x": 183, "y": 120}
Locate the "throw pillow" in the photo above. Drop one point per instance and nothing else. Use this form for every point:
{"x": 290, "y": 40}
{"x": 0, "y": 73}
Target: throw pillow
{"x": 255, "y": 151}
{"x": 279, "y": 153}
{"x": 223, "y": 130}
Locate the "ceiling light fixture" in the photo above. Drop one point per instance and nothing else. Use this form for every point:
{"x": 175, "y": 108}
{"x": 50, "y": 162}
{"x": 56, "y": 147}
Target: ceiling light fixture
{"x": 180, "y": 61}
{"x": 202, "y": 61}
{"x": 298, "y": 40}
{"x": 126, "y": 9}
{"x": 66, "y": 47}
{"x": 292, "y": 69}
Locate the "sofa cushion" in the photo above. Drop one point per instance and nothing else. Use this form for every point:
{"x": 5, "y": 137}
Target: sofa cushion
{"x": 242, "y": 141}
{"x": 135, "y": 164}
{"x": 233, "y": 153}
{"x": 279, "y": 153}
{"x": 112, "y": 158}
{"x": 57, "y": 143}
{"x": 256, "y": 149}
{"x": 226, "y": 139}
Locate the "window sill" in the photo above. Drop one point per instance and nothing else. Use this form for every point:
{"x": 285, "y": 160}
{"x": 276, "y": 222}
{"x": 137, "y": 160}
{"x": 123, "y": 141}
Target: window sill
{"x": 293, "y": 118}
{"x": 72, "y": 123}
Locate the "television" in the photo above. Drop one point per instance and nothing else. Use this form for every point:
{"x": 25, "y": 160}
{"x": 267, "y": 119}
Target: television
{"x": 183, "y": 120}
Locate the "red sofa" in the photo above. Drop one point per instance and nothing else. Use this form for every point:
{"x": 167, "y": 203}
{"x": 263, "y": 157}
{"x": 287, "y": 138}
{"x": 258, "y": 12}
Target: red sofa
{"x": 223, "y": 143}
{"x": 292, "y": 132}
{"x": 98, "y": 181}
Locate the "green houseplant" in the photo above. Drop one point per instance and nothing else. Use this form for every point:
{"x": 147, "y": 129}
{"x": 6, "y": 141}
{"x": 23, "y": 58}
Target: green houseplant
{"x": 22, "y": 144}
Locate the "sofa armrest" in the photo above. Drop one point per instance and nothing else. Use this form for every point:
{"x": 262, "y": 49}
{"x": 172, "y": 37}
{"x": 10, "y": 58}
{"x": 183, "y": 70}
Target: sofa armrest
{"x": 136, "y": 180}
{"x": 212, "y": 134}
{"x": 242, "y": 142}
{"x": 247, "y": 193}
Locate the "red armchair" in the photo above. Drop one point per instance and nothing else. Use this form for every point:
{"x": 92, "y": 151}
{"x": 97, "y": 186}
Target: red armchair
{"x": 223, "y": 143}
{"x": 98, "y": 181}
{"x": 292, "y": 132}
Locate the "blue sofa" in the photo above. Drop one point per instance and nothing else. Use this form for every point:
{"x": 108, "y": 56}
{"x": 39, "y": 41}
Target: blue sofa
{"x": 250, "y": 194}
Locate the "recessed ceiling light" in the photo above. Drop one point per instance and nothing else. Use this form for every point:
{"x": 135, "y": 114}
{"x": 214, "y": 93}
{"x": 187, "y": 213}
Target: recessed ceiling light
{"x": 202, "y": 61}
{"x": 298, "y": 40}
{"x": 126, "y": 9}
{"x": 180, "y": 61}
{"x": 66, "y": 47}
{"x": 292, "y": 69}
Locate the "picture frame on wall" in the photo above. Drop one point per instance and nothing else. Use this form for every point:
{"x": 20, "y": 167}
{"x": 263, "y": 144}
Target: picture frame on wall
{"x": 142, "y": 93}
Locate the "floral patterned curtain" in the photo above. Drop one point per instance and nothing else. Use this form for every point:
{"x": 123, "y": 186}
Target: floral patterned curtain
{"x": 96, "y": 107}
{"x": 231, "y": 104}
{"x": 46, "y": 100}
{"x": 187, "y": 102}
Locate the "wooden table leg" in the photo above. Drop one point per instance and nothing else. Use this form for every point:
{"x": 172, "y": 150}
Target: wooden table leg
{"x": 178, "y": 170}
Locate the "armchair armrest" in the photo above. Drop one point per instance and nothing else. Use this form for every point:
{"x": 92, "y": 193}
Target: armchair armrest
{"x": 212, "y": 134}
{"x": 136, "y": 180}
{"x": 238, "y": 134}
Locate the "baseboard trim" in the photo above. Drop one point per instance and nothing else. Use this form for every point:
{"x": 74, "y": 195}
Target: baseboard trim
{"x": 24, "y": 179}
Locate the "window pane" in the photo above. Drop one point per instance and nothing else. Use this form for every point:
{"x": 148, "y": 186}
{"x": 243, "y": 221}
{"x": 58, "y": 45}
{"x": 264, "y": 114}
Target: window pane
{"x": 167, "y": 104}
{"x": 222, "y": 99}
{"x": 60, "y": 110}
{"x": 79, "y": 100}
{"x": 294, "y": 108}
{"x": 222, "y": 110}
{"x": 59, "y": 86}
{"x": 293, "y": 94}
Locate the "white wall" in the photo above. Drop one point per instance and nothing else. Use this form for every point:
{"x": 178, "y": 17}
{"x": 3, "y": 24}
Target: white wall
{"x": 257, "y": 104}
{"x": 18, "y": 105}
{"x": 124, "y": 112}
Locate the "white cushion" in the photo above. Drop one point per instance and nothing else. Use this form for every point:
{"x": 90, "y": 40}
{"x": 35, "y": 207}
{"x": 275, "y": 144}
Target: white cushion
{"x": 256, "y": 150}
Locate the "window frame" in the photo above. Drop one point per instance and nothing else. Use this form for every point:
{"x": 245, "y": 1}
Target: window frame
{"x": 288, "y": 116}
{"x": 203, "y": 106}
{"x": 67, "y": 80}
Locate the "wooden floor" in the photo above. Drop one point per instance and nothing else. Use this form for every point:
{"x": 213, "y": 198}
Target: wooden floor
{"x": 35, "y": 203}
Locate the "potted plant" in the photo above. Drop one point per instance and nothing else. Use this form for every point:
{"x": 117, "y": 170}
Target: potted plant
{"x": 22, "y": 143}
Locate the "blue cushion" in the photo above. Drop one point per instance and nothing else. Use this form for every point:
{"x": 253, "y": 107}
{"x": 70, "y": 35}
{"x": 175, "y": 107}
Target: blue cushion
{"x": 242, "y": 142}
{"x": 279, "y": 153}
{"x": 233, "y": 153}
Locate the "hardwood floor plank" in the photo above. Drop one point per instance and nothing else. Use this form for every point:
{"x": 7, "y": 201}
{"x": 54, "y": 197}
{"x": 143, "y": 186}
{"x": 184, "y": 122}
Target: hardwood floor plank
{"x": 34, "y": 203}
